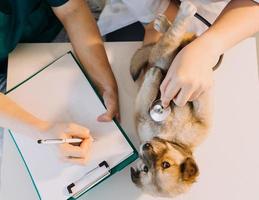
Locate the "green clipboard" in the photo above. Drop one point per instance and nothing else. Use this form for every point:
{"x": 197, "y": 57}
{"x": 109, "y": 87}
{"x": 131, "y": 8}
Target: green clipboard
{"x": 112, "y": 170}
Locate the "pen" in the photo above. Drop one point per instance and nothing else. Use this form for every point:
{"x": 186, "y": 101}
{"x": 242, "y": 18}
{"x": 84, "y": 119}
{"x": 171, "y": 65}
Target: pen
{"x": 60, "y": 141}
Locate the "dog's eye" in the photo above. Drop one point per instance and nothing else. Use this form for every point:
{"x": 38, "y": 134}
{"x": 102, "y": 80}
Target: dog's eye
{"x": 165, "y": 165}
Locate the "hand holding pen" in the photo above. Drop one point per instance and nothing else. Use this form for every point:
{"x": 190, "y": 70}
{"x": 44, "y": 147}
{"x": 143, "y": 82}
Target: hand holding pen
{"x": 74, "y": 141}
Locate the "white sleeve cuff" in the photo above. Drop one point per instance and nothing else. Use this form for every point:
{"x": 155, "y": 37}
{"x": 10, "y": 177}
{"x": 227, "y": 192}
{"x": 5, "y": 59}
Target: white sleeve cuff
{"x": 146, "y": 10}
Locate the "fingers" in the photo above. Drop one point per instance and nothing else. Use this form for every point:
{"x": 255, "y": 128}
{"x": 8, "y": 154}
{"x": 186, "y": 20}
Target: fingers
{"x": 112, "y": 106}
{"x": 164, "y": 84}
{"x": 179, "y": 93}
{"x": 108, "y": 116}
{"x": 183, "y": 96}
{"x": 68, "y": 150}
{"x": 169, "y": 90}
{"x": 196, "y": 95}
{"x": 72, "y": 158}
{"x": 179, "y": 89}
{"x": 75, "y": 130}
{"x": 74, "y": 153}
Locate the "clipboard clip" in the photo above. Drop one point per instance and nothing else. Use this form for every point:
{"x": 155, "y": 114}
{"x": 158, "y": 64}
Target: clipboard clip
{"x": 89, "y": 179}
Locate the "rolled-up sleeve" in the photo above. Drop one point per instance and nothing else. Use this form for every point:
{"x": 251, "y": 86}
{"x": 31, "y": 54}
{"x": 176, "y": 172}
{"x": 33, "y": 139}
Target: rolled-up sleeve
{"x": 56, "y": 3}
{"x": 146, "y": 10}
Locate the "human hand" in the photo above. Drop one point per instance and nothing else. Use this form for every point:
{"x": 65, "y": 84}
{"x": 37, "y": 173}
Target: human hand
{"x": 78, "y": 154}
{"x": 110, "y": 97}
{"x": 189, "y": 75}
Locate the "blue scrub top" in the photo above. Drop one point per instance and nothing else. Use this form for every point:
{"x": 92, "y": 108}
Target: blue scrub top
{"x": 27, "y": 21}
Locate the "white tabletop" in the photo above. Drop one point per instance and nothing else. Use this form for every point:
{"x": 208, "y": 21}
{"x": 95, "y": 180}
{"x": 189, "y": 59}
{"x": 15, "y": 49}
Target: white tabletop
{"x": 228, "y": 159}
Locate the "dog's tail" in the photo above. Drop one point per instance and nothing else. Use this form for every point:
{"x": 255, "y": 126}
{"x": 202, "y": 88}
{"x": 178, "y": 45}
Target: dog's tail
{"x": 139, "y": 61}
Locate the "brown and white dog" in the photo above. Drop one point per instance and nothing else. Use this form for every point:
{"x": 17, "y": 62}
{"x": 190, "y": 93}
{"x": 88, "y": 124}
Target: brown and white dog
{"x": 167, "y": 166}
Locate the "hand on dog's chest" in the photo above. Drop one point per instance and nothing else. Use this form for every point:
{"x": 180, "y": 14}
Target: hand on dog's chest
{"x": 157, "y": 112}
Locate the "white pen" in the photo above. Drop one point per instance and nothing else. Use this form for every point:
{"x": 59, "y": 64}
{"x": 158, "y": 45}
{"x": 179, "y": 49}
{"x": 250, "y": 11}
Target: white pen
{"x": 60, "y": 141}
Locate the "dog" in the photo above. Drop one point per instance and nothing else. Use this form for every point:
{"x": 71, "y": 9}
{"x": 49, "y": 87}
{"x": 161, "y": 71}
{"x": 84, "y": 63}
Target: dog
{"x": 167, "y": 166}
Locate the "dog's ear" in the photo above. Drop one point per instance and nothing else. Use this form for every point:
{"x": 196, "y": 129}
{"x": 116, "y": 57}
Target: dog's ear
{"x": 139, "y": 61}
{"x": 189, "y": 170}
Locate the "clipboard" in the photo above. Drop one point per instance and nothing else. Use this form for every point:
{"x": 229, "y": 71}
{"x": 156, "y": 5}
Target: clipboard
{"x": 102, "y": 169}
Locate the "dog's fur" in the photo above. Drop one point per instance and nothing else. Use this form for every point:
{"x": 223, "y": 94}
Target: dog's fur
{"x": 167, "y": 166}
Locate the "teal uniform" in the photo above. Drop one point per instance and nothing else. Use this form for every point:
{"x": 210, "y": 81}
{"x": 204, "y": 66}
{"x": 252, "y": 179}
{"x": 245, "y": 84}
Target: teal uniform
{"x": 27, "y": 21}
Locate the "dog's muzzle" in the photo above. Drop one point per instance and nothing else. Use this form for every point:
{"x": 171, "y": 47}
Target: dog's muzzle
{"x": 147, "y": 154}
{"x": 135, "y": 175}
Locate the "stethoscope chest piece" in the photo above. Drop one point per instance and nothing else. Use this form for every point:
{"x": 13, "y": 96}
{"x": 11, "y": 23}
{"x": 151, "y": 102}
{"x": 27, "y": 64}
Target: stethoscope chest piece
{"x": 157, "y": 112}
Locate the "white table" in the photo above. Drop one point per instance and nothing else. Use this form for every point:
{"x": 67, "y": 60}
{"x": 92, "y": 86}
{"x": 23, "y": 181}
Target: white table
{"x": 228, "y": 159}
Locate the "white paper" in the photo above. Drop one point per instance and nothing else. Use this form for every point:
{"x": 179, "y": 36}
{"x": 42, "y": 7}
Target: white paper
{"x": 62, "y": 93}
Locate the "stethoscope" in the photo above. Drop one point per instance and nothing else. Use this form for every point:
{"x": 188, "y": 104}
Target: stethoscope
{"x": 157, "y": 112}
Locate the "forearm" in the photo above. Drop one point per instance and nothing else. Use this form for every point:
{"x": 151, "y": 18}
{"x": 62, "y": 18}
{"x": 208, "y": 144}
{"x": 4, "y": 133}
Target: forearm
{"x": 87, "y": 43}
{"x": 13, "y": 117}
{"x": 238, "y": 21}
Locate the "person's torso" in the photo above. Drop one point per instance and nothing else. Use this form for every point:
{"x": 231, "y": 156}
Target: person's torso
{"x": 25, "y": 21}
{"x": 119, "y": 13}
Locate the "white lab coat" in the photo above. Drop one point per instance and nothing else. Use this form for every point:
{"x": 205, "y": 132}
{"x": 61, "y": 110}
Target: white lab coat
{"x": 120, "y": 13}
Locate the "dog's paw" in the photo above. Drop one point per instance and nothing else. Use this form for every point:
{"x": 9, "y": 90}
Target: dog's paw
{"x": 139, "y": 61}
{"x": 162, "y": 24}
{"x": 187, "y": 9}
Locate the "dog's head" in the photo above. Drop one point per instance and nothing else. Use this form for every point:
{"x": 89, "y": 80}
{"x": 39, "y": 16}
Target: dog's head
{"x": 165, "y": 168}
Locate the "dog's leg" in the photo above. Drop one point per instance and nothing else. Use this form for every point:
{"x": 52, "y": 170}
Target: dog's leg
{"x": 141, "y": 56}
{"x": 165, "y": 50}
{"x": 148, "y": 92}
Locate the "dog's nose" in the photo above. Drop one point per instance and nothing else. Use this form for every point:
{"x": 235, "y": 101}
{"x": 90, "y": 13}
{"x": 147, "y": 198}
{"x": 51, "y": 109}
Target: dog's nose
{"x": 134, "y": 175}
{"x": 147, "y": 146}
